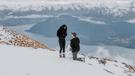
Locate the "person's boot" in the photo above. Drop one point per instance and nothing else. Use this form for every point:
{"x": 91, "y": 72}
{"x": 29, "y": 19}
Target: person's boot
{"x": 64, "y": 55}
{"x": 60, "y": 55}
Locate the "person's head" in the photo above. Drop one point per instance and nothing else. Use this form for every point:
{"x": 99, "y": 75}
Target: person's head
{"x": 74, "y": 34}
{"x": 64, "y": 26}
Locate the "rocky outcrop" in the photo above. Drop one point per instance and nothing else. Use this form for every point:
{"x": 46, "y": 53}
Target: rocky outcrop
{"x": 105, "y": 61}
{"x": 13, "y": 38}
{"x": 130, "y": 68}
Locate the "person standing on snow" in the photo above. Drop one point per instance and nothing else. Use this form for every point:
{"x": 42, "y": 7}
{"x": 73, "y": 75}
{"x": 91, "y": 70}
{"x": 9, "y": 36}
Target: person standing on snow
{"x": 75, "y": 45}
{"x": 62, "y": 33}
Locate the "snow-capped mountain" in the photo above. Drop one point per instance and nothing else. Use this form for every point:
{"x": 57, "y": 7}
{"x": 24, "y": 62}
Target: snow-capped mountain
{"x": 16, "y": 12}
{"x": 106, "y": 7}
{"x": 68, "y": 4}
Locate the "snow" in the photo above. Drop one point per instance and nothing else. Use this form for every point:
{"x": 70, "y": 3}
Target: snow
{"x": 20, "y": 61}
{"x": 17, "y": 61}
{"x": 29, "y": 16}
{"x": 5, "y": 35}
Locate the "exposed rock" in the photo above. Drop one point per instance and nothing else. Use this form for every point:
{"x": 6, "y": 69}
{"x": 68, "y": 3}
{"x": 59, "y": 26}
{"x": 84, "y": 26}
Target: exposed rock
{"x": 104, "y": 61}
{"x": 13, "y": 38}
{"x": 130, "y": 68}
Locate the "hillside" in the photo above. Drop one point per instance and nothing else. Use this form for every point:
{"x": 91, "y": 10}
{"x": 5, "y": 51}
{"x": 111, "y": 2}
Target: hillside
{"x": 22, "y": 61}
{"x": 10, "y": 37}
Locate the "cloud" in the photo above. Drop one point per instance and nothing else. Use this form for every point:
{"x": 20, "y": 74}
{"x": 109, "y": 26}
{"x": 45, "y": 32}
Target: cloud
{"x": 89, "y": 19}
{"x": 115, "y": 7}
{"x": 131, "y": 21}
{"x": 109, "y": 3}
{"x": 29, "y": 16}
{"x": 102, "y": 52}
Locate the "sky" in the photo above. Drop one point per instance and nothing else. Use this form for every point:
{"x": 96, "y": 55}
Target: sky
{"x": 61, "y": 1}
{"x": 58, "y": 0}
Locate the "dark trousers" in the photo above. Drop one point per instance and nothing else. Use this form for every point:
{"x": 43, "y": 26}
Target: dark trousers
{"x": 74, "y": 55}
{"x": 62, "y": 43}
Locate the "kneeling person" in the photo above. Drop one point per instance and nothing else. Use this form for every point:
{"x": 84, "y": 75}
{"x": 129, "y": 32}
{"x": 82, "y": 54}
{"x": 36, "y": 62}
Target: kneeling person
{"x": 75, "y": 45}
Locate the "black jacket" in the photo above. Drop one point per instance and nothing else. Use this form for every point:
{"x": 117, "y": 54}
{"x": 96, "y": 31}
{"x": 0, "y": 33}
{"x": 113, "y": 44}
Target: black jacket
{"x": 75, "y": 44}
{"x": 62, "y": 33}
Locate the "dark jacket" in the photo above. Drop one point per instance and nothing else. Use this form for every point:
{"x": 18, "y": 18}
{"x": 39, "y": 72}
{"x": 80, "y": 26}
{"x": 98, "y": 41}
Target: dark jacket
{"x": 75, "y": 44}
{"x": 62, "y": 33}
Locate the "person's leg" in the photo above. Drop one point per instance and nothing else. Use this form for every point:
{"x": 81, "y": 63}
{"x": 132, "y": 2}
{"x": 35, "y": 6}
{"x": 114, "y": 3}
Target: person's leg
{"x": 64, "y": 44}
{"x": 74, "y": 55}
{"x": 63, "y": 47}
{"x": 60, "y": 44}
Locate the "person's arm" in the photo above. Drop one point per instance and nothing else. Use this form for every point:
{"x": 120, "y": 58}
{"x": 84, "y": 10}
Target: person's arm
{"x": 66, "y": 33}
{"x": 71, "y": 44}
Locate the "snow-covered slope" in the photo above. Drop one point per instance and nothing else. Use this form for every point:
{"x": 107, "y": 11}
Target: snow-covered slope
{"x": 22, "y": 61}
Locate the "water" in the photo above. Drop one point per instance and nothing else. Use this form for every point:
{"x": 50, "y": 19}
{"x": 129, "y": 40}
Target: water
{"x": 119, "y": 53}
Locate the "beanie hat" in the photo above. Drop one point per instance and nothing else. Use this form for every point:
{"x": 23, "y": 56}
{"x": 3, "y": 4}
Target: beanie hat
{"x": 74, "y": 34}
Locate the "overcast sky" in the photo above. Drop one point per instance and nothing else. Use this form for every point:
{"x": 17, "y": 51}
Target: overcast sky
{"x": 56, "y": 0}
